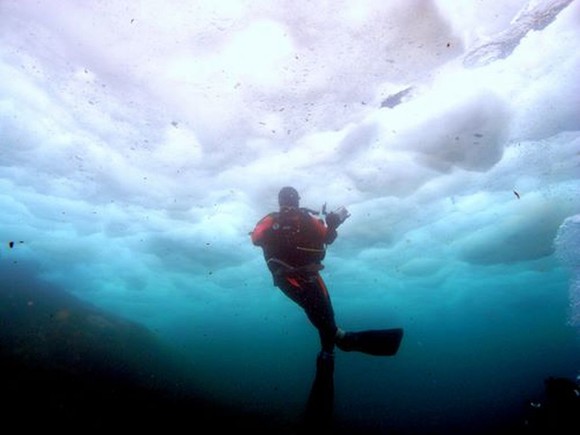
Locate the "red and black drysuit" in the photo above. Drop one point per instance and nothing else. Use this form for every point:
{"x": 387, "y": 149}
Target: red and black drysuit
{"x": 294, "y": 245}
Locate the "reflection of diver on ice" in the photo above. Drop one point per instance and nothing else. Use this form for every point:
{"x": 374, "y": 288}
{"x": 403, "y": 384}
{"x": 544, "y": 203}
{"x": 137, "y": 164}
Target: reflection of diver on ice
{"x": 294, "y": 240}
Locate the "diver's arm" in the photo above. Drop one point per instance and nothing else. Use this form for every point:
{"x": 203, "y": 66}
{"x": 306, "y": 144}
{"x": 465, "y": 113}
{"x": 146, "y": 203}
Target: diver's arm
{"x": 333, "y": 220}
{"x": 262, "y": 226}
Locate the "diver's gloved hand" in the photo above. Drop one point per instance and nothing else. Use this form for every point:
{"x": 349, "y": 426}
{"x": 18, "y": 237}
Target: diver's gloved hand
{"x": 337, "y": 217}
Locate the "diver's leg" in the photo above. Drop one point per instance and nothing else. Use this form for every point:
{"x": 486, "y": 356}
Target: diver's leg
{"x": 321, "y": 314}
{"x": 312, "y": 295}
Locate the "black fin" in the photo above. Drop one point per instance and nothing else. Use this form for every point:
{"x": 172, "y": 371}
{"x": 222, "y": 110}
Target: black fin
{"x": 381, "y": 342}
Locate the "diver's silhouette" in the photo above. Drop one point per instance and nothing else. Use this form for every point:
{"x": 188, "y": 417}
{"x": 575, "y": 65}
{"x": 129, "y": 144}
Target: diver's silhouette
{"x": 294, "y": 240}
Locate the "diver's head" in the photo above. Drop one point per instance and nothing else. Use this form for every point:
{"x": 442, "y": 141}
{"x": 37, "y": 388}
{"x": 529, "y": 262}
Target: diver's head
{"x": 288, "y": 197}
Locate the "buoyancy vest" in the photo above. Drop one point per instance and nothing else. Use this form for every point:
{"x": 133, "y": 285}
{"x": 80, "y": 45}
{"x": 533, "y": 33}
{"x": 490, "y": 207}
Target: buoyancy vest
{"x": 295, "y": 238}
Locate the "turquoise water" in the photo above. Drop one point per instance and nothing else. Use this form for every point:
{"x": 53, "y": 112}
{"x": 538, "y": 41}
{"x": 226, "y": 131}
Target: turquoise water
{"x": 475, "y": 353}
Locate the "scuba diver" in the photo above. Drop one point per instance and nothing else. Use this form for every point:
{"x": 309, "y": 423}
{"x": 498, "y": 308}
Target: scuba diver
{"x": 294, "y": 244}
{"x": 294, "y": 241}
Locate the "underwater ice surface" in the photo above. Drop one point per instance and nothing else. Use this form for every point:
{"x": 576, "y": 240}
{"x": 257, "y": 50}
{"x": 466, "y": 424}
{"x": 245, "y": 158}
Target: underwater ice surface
{"x": 140, "y": 144}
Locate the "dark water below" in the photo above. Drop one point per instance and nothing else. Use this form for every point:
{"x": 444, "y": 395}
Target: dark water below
{"x": 66, "y": 365}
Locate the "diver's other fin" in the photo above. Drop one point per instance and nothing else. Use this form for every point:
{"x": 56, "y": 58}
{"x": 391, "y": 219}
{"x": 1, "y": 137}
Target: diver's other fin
{"x": 381, "y": 342}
